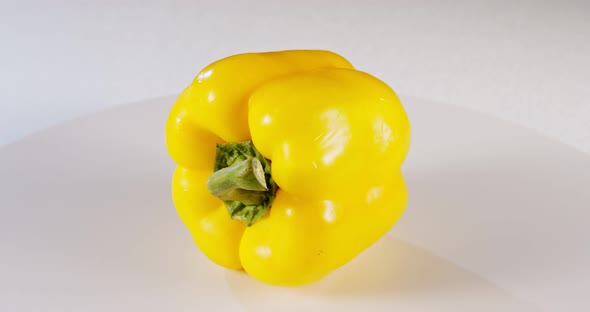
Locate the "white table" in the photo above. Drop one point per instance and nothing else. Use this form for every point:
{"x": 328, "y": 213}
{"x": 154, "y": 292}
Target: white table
{"x": 497, "y": 221}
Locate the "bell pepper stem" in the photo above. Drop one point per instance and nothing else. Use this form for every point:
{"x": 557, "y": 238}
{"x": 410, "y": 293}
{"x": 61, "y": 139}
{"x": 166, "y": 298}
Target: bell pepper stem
{"x": 241, "y": 179}
{"x": 242, "y": 182}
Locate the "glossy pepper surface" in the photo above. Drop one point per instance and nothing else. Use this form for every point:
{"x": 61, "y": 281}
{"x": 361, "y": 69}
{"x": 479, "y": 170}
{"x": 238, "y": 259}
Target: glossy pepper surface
{"x": 288, "y": 162}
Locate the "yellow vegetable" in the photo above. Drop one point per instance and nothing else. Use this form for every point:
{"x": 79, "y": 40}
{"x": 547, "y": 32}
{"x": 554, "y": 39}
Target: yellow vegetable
{"x": 288, "y": 163}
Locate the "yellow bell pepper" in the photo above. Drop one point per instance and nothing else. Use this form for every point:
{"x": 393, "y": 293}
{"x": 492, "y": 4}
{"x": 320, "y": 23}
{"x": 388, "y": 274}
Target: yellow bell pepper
{"x": 288, "y": 162}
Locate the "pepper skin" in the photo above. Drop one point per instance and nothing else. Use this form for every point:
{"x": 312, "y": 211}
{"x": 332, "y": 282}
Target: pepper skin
{"x": 335, "y": 139}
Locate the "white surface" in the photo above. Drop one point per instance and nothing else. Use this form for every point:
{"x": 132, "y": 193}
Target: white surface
{"x": 497, "y": 221}
{"x": 525, "y": 61}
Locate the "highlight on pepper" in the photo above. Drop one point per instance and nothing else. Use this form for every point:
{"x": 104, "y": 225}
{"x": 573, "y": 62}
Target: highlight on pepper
{"x": 288, "y": 163}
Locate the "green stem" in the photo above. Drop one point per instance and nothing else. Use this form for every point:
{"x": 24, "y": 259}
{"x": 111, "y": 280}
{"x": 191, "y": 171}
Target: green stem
{"x": 242, "y": 180}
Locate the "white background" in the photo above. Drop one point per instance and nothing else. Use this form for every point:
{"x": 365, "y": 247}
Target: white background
{"x": 526, "y": 62}
{"x": 496, "y": 220}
